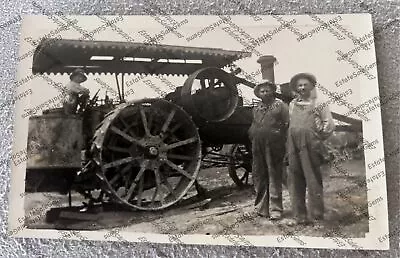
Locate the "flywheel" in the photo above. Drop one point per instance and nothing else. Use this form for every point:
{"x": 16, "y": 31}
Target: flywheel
{"x": 148, "y": 152}
{"x": 210, "y": 94}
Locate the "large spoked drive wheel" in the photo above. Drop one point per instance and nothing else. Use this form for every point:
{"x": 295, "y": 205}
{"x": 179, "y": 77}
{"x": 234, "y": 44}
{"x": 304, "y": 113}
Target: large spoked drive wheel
{"x": 149, "y": 154}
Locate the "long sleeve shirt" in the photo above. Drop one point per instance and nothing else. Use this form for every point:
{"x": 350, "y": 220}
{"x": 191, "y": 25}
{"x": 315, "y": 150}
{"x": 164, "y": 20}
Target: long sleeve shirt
{"x": 73, "y": 89}
{"x": 269, "y": 118}
{"x": 323, "y": 121}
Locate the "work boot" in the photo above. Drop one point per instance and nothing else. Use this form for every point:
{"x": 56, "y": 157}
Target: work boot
{"x": 317, "y": 222}
{"x": 276, "y": 215}
{"x": 264, "y": 215}
{"x": 296, "y": 222}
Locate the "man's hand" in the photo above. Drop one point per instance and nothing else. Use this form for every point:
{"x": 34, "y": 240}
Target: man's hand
{"x": 286, "y": 159}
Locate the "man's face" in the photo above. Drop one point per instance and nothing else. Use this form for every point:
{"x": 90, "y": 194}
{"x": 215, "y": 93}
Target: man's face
{"x": 304, "y": 87}
{"x": 266, "y": 93}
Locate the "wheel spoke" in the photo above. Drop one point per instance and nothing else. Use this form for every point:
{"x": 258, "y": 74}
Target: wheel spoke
{"x": 127, "y": 126}
{"x": 120, "y": 174}
{"x": 150, "y": 122}
{"x": 133, "y": 185}
{"x": 180, "y": 170}
{"x": 213, "y": 82}
{"x": 118, "y": 149}
{"x": 115, "y": 178}
{"x": 144, "y": 120}
{"x": 140, "y": 191}
{"x": 181, "y": 143}
{"x": 181, "y": 157}
{"x": 125, "y": 123}
{"x": 203, "y": 83}
{"x": 118, "y": 162}
{"x": 173, "y": 129}
{"x": 176, "y": 127}
{"x": 168, "y": 121}
{"x": 158, "y": 185}
{"x": 169, "y": 188}
{"x": 220, "y": 83}
{"x": 172, "y": 137}
{"x": 126, "y": 136}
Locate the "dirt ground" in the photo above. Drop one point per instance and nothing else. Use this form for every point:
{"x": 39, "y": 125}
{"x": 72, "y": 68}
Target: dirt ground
{"x": 227, "y": 203}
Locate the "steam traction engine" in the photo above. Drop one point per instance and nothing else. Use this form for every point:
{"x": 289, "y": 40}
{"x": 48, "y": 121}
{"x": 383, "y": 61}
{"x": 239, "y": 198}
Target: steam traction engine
{"x": 143, "y": 154}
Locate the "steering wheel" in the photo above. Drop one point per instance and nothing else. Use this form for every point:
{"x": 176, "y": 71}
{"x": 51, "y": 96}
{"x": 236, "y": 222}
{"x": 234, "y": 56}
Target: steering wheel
{"x": 84, "y": 103}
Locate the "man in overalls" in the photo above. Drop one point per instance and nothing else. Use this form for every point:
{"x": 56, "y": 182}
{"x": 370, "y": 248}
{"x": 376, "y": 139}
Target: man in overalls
{"x": 310, "y": 123}
{"x": 268, "y": 136}
{"x": 76, "y": 94}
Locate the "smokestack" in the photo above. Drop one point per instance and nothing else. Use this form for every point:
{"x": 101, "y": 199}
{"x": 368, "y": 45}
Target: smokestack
{"x": 267, "y": 67}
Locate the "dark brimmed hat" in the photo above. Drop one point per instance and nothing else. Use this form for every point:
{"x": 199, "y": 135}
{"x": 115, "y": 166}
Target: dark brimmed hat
{"x": 80, "y": 72}
{"x": 299, "y": 76}
{"x": 262, "y": 85}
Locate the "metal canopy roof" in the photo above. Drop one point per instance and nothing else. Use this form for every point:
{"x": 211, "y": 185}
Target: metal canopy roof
{"x": 63, "y": 56}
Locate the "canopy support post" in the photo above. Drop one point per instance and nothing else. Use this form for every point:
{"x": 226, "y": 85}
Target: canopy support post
{"x": 122, "y": 88}
{"x": 119, "y": 90}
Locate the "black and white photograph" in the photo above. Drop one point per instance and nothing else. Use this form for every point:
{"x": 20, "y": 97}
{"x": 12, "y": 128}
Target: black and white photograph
{"x": 220, "y": 130}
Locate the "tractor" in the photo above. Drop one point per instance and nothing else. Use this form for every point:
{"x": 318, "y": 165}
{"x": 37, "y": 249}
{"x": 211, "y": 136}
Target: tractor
{"x": 144, "y": 154}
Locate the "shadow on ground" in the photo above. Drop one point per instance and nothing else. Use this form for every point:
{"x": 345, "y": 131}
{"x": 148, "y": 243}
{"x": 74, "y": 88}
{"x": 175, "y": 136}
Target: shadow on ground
{"x": 221, "y": 207}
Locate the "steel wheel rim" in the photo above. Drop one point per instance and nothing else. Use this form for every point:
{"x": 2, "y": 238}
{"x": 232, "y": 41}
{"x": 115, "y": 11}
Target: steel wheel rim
{"x": 154, "y": 156}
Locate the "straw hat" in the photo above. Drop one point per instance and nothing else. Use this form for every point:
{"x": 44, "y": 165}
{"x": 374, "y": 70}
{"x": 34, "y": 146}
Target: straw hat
{"x": 78, "y": 72}
{"x": 299, "y": 76}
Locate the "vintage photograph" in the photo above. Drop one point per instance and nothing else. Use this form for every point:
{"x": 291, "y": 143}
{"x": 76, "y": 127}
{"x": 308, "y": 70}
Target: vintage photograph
{"x": 232, "y": 130}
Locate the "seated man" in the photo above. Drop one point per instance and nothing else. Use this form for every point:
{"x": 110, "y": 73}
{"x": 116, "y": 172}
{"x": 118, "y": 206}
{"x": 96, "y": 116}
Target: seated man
{"x": 76, "y": 94}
